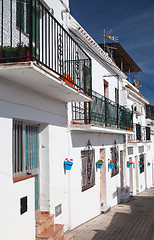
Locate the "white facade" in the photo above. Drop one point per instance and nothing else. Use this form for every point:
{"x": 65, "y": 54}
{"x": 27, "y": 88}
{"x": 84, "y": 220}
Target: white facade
{"x": 136, "y": 179}
{"x": 32, "y": 95}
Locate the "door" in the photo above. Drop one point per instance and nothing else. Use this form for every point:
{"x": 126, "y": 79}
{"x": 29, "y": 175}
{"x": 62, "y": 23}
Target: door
{"x": 137, "y": 174}
{"x": 145, "y": 171}
{"x": 122, "y": 171}
{"x": 31, "y": 156}
{"x": 131, "y": 177}
{"x": 103, "y": 178}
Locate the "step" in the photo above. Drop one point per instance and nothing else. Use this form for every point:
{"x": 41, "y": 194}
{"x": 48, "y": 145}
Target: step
{"x": 105, "y": 209}
{"x": 67, "y": 236}
{"x": 43, "y": 221}
{"x": 54, "y": 232}
{"x": 125, "y": 199}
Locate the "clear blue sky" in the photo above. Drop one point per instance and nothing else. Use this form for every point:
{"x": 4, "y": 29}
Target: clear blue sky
{"x": 132, "y": 21}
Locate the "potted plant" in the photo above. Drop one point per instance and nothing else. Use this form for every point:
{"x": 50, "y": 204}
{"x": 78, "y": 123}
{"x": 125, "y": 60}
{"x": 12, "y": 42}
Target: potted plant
{"x": 7, "y": 53}
{"x": 140, "y": 164}
{"x": 68, "y": 164}
{"x": 111, "y": 163}
{"x": 129, "y": 164}
{"x": 99, "y": 163}
{"x": 23, "y": 51}
{"x": 148, "y": 163}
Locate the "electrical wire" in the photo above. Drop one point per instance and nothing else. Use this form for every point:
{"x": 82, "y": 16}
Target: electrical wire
{"x": 146, "y": 85}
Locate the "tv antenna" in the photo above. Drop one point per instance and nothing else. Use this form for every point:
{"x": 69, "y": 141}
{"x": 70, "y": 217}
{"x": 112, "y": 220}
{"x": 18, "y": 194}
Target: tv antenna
{"x": 113, "y": 38}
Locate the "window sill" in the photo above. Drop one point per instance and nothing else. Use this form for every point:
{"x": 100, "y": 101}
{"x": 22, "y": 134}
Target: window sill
{"x": 87, "y": 187}
{"x": 23, "y": 177}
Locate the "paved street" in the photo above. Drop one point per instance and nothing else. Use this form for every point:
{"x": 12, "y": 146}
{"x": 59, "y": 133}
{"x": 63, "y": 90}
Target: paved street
{"x": 133, "y": 220}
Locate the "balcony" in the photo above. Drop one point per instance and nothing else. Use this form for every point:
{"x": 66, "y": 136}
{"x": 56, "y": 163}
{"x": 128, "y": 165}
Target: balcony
{"x": 142, "y": 134}
{"x": 102, "y": 112}
{"x": 29, "y": 33}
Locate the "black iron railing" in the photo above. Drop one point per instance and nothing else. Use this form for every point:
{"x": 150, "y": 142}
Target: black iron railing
{"x": 28, "y": 31}
{"x": 142, "y": 133}
{"x": 148, "y": 134}
{"x": 102, "y": 111}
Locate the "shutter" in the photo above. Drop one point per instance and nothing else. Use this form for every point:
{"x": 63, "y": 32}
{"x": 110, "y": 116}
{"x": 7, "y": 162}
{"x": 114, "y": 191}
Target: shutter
{"x": 20, "y": 14}
{"x": 138, "y": 131}
{"x": 88, "y": 168}
{"x": 84, "y": 168}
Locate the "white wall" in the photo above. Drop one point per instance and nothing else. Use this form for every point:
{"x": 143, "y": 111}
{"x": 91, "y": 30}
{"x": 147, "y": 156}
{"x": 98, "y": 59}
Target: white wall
{"x": 22, "y": 103}
{"x": 86, "y": 205}
{"x": 13, "y": 224}
{"x": 58, "y": 8}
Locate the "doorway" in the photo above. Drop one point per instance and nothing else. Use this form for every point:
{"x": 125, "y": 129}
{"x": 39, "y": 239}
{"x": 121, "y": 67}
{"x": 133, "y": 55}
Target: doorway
{"x": 122, "y": 171}
{"x": 137, "y": 174}
{"x": 103, "y": 178}
{"x": 131, "y": 177}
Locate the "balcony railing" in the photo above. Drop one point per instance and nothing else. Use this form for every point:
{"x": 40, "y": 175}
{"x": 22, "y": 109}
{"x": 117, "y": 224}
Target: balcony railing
{"x": 29, "y": 32}
{"x": 142, "y": 134}
{"x": 102, "y": 111}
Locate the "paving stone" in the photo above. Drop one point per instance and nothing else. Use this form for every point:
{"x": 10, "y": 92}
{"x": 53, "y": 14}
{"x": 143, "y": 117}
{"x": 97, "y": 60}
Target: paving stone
{"x": 131, "y": 221}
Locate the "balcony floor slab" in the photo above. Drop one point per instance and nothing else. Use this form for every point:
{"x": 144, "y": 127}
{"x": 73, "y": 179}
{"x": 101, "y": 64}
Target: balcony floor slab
{"x": 97, "y": 128}
{"x": 41, "y": 80}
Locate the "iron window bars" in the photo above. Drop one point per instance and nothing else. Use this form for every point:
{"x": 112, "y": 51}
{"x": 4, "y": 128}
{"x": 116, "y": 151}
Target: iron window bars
{"x": 25, "y": 148}
{"x": 142, "y": 133}
{"x": 88, "y": 167}
{"x": 29, "y": 32}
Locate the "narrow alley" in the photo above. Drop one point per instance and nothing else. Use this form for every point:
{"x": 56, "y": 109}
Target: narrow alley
{"x": 133, "y": 220}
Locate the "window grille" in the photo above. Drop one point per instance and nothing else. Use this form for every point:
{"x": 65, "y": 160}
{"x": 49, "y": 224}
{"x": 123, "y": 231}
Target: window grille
{"x": 142, "y": 162}
{"x": 88, "y": 168}
{"x": 115, "y": 155}
{"x": 138, "y": 132}
{"x": 25, "y": 148}
{"x": 147, "y": 133}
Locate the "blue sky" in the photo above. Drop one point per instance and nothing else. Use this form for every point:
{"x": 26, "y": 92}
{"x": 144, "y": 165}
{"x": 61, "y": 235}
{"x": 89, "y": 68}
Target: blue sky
{"x": 132, "y": 21}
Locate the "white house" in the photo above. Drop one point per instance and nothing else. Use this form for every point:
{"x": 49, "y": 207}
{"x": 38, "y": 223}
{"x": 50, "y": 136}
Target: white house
{"x": 97, "y": 131}
{"x": 38, "y": 61}
{"x": 139, "y": 144}
{"x": 61, "y": 97}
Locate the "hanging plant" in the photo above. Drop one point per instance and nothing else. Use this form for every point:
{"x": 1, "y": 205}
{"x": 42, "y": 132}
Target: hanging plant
{"x": 99, "y": 163}
{"x": 68, "y": 164}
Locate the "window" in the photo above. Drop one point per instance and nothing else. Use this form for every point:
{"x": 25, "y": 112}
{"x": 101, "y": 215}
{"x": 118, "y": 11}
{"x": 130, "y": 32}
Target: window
{"x": 142, "y": 162}
{"x": 22, "y": 15}
{"x": 22, "y": 18}
{"x": 114, "y": 155}
{"x": 138, "y": 132}
{"x": 106, "y": 93}
{"x": 116, "y": 96}
{"x": 25, "y": 148}
{"x": 147, "y": 133}
{"x": 88, "y": 168}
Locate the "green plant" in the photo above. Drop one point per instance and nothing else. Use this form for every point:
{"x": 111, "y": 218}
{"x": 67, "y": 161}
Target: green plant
{"x": 111, "y": 161}
{"x": 100, "y": 161}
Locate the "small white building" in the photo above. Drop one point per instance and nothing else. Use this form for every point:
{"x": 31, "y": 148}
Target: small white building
{"x": 97, "y": 131}
{"x": 62, "y": 97}
{"x": 38, "y": 60}
{"x": 139, "y": 152}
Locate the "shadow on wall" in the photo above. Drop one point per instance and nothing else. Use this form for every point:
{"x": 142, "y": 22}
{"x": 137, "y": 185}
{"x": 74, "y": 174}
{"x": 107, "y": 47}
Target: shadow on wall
{"x": 133, "y": 220}
{"x": 80, "y": 139}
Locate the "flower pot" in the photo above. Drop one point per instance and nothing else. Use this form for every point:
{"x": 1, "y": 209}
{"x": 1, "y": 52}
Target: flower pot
{"x": 68, "y": 165}
{"x": 99, "y": 165}
{"x": 111, "y": 165}
{"x": 128, "y": 165}
{"x": 24, "y": 52}
{"x": 148, "y": 163}
{"x": 67, "y": 79}
{"x": 140, "y": 165}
